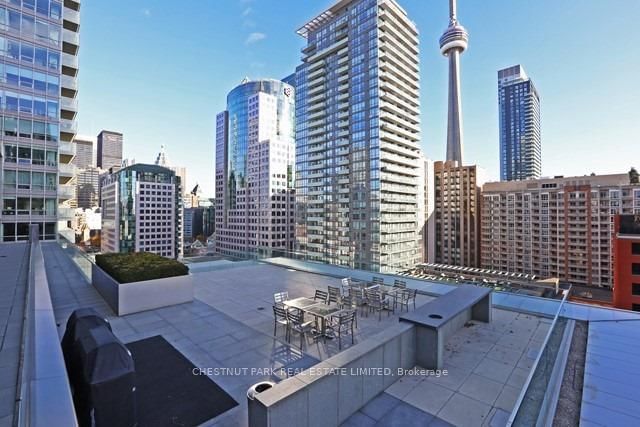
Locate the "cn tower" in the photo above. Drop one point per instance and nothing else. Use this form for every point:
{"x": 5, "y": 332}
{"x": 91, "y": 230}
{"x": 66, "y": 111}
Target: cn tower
{"x": 452, "y": 43}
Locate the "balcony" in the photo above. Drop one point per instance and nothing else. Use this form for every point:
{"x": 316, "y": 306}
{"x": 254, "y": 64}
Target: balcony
{"x": 68, "y": 126}
{"x": 71, "y": 37}
{"x": 67, "y": 148}
{"x": 69, "y": 104}
{"x": 67, "y": 170}
{"x": 66, "y": 192}
{"x": 71, "y": 15}
{"x": 68, "y": 82}
{"x": 70, "y": 61}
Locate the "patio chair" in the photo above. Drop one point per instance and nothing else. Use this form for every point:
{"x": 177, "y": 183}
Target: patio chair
{"x": 399, "y": 284}
{"x": 377, "y": 280}
{"x": 280, "y": 318}
{"x": 358, "y": 298}
{"x": 376, "y": 302}
{"x": 347, "y": 302}
{"x": 406, "y": 297}
{"x": 346, "y": 285}
{"x": 280, "y": 297}
{"x": 321, "y": 296}
{"x": 343, "y": 324}
{"x": 334, "y": 294}
{"x": 297, "y": 324}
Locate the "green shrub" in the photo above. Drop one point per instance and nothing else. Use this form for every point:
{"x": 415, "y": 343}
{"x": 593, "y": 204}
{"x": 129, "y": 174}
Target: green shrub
{"x": 139, "y": 266}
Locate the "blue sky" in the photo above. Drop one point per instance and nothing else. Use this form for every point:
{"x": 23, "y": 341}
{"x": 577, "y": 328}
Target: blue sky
{"x": 160, "y": 70}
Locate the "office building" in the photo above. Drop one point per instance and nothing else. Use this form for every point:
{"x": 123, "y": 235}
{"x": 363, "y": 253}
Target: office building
{"x": 255, "y": 149}
{"x": 357, "y": 137}
{"x": 556, "y": 227}
{"x": 209, "y": 220}
{"x": 87, "y": 192}
{"x": 193, "y": 223}
{"x": 163, "y": 160}
{"x": 457, "y": 213}
{"x": 142, "y": 211}
{"x": 109, "y": 149}
{"x": 84, "y": 152}
{"x": 453, "y": 42}
{"x": 520, "y": 145}
{"x": 40, "y": 65}
{"x": 626, "y": 262}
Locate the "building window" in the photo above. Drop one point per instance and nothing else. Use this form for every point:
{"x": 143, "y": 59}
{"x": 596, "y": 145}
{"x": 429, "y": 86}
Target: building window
{"x": 635, "y": 248}
{"x": 635, "y": 289}
{"x": 635, "y": 307}
{"x": 635, "y": 269}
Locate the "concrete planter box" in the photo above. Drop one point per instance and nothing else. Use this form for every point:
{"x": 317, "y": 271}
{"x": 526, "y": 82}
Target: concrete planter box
{"x": 127, "y": 298}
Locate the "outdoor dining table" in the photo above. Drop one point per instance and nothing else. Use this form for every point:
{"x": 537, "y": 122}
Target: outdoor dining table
{"x": 301, "y": 303}
{"x": 318, "y": 309}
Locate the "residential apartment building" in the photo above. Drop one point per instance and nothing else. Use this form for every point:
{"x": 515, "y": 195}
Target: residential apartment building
{"x": 457, "y": 213}
{"x": 520, "y": 141}
{"x": 40, "y": 43}
{"x": 109, "y": 149}
{"x": 255, "y": 149}
{"x": 357, "y": 137}
{"x": 426, "y": 212}
{"x": 84, "y": 152}
{"x": 556, "y": 227}
{"x": 142, "y": 211}
{"x": 626, "y": 262}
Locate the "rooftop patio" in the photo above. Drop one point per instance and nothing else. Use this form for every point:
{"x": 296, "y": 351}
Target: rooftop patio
{"x": 230, "y": 325}
{"x": 487, "y": 365}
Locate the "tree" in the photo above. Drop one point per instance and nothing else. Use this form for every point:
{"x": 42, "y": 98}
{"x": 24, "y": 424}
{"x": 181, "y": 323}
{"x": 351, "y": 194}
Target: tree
{"x": 634, "y": 177}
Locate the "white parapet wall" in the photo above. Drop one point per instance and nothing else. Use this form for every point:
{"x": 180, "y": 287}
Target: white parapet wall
{"x": 333, "y": 390}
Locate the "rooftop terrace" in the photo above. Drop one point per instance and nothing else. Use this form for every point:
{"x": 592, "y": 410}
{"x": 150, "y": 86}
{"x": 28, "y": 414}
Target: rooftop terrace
{"x": 493, "y": 369}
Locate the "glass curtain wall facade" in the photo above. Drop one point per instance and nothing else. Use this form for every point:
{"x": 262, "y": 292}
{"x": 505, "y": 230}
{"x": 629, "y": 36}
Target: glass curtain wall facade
{"x": 38, "y": 65}
{"x": 520, "y": 145}
{"x": 255, "y": 153}
{"x": 357, "y": 137}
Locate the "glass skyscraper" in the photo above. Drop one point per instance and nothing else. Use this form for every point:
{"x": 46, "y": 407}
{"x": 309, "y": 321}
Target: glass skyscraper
{"x": 39, "y": 42}
{"x": 520, "y": 151}
{"x": 255, "y": 152}
{"x": 357, "y": 137}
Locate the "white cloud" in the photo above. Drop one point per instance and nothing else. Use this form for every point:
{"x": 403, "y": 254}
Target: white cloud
{"x": 146, "y": 12}
{"x": 255, "y": 37}
{"x": 247, "y": 11}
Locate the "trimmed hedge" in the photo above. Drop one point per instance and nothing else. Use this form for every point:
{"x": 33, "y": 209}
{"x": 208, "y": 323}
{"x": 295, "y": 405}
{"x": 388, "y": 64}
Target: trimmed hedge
{"x": 140, "y": 266}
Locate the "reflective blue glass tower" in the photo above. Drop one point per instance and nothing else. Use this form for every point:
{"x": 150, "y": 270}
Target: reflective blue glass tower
{"x": 520, "y": 145}
{"x": 255, "y": 151}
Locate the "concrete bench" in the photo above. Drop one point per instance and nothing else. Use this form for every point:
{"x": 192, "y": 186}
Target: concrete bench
{"x": 438, "y": 320}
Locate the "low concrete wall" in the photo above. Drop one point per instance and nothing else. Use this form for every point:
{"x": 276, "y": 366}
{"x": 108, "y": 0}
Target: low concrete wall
{"x": 331, "y": 391}
{"x": 45, "y": 393}
{"x": 127, "y": 298}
